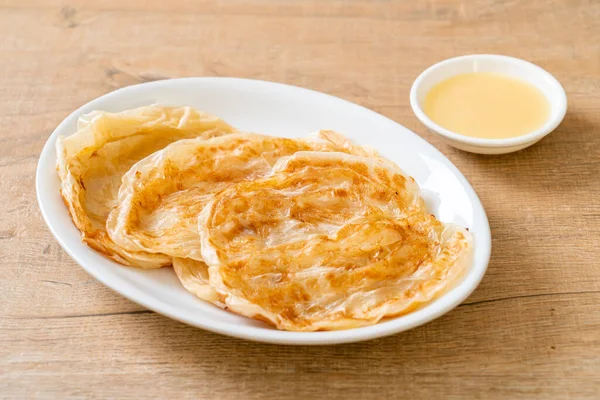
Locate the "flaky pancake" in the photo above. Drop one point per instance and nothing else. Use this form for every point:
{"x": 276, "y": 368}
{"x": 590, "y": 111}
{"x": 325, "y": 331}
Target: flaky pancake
{"x": 161, "y": 196}
{"x": 328, "y": 241}
{"x": 92, "y": 161}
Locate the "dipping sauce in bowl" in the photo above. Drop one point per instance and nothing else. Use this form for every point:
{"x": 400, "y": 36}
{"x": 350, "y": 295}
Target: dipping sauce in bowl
{"x": 487, "y": 105}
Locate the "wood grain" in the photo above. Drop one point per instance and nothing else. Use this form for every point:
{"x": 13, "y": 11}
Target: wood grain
{"x": 532, "y": 328}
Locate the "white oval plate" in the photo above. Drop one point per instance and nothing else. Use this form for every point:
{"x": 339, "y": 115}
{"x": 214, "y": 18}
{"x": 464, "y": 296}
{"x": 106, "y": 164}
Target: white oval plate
{"x": 281, "y": 110}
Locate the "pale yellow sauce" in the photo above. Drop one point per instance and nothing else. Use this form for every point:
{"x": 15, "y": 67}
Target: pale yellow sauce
{"x": 487, "y": 105}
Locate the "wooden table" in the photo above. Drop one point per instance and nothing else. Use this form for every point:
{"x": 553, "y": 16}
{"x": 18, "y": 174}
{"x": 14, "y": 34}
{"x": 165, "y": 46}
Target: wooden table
{"x": 532, "y": 328}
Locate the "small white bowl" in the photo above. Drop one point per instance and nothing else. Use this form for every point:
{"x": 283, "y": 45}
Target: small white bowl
{"x": 505, "y": 65}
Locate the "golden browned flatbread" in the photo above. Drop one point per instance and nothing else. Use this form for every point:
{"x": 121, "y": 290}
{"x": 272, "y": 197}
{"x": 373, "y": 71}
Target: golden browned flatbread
{"x": 328, "y": 241}
{"x": 92, "y": 161}
{"x": 161, "y": 196}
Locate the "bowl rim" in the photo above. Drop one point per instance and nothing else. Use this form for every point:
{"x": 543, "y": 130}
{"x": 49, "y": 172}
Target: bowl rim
{"x": 559, "y": 101}
{"x": 419, "y": 317}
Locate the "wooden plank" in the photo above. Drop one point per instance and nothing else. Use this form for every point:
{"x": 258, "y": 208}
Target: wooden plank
{"x": 529, "y": 348}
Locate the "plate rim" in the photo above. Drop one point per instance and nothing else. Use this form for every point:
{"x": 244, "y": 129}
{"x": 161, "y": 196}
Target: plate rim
{"x": 394, "y": 325}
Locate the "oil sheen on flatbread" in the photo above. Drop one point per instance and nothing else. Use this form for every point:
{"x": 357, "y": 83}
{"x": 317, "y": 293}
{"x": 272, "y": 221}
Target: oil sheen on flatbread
{"x": 328, "y": 241}
{"x": 92, "y": 162}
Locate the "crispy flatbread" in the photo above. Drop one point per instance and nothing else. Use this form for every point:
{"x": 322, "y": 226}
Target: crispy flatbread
{"x": 161, "y": 196}
{"x": 328, "y": 241}
{"x": 92, "y": 161}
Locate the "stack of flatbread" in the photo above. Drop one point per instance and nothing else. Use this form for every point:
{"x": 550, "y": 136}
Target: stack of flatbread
{"x": 307, "y": 234}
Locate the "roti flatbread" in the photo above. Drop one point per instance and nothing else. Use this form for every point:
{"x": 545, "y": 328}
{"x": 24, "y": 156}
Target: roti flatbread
{"x": 92, "y": 161}
{"x": 328, "y": 241}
